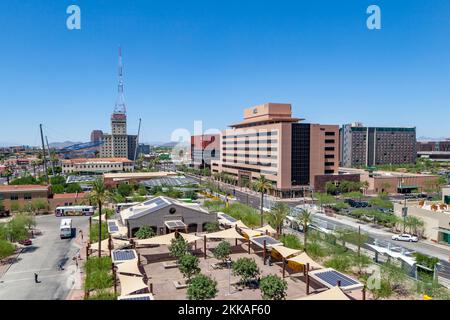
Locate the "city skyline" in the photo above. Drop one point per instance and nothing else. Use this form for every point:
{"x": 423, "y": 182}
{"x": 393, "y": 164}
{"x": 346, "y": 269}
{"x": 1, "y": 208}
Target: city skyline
{"x": 185, "y": 62}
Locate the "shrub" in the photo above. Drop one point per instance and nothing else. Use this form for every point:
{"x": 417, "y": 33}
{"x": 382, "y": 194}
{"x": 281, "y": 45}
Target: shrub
{"x": 103, "y": 295}
{"x": 291, "y": 241}
{"x": 246, "y": 214}
{"x": 212, "y": 227}
{"x": 222, "y": 251}
{"x": 340, "y": 262}
{"x": 202, "y": 287}
{"x": 6, "y": 249}
{"x": 93, "y": 236}
{"x": 145, "y": 232}
{"x": 246, "y": 269}
{"x": 188, "y": 266}
{"x": 98, "y": 273}
{"x": 273, "y": 287}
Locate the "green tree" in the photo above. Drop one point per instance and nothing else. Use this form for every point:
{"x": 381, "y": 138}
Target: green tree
{"x": 6, "y": 248}
{"x": 99, "y": 195}
{"x": 17, "y": 230}
{"x": 357, "y": 238}
{"x": 125, "y": 189}
{"x": 276, "y": 216}
{"x": 188, "y": 265}
{"x": 305, "y": 218}
{"x": 40, "y": 205}
{"x": 201, "y": 287}
{"x": 178, "y": 248}
{"x": 27, "y": 219}
{"x": 145, "y": 232}
{"x": 273, "y": 287}
{"x": 58, "y": 188}
{"x": 246, "y": 269}
{"x": 73, "y": 188}
{"x": 324, "y": 199}
{"x": 262, "y": 185}
{"x": 222, "y": 251}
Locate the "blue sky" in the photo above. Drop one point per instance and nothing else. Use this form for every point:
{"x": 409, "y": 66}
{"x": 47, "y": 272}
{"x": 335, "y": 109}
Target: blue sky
{"x": 208, "y": 60}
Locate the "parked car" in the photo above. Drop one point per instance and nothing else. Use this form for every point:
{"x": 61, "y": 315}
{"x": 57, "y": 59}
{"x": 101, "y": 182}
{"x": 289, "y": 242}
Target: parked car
{"x": 26, "y": 242}
{"x": 405, "y": 237}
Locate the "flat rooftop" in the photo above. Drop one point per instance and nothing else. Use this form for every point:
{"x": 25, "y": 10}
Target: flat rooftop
{"x": 385, "y": 174}
{"x": 139, "y": 175}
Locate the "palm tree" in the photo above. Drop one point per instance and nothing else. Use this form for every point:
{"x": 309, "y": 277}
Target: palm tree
{"x": 305, "y": 218}
{"x": 277, "y": 215}
{"x": 262, "y": 185}
{"x": 99, "y": 195}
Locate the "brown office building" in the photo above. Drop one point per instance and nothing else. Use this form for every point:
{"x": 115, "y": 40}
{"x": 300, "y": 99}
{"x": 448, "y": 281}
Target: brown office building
{"x": 288, "y": 152}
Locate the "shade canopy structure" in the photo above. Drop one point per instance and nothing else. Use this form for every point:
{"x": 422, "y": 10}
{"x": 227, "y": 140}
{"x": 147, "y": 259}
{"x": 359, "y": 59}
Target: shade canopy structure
{"x": 166, "y": 239}
{"x": 334, "y": 293}
{"x": 97, "y": 217}
{"x": 303, "y": 259}
{"x": 267, "y": 229}
{"x": 286, "y": 252}
{"x": 143, "y": 296}
{"x": 226, "y": 219}
{"x": 270, "y": 242}
{"x": 330, "y": 278}
{"x": 123, "y": 232}
{"x": 129, "y": 267}
{"x": 250, "y": 233}
{"x": 240, "y": 225}
{"x": 130, "y": 284}
{"x": 116, "y": 244}
{"x": 225, "y": 234}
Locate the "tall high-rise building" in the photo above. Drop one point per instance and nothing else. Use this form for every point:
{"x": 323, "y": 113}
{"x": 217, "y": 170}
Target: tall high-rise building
{"x": 96, "y": 135}
{"x": 270, "y": 142}
{"x": 371, "y": 146}
{"x": 119, "y": 144}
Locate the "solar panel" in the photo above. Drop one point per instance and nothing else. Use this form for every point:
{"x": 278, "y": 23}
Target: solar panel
{"x": 112, "y": 226}
{"x": 120, "y": 255}
{"x": 269, "y": 241}
{"x": 332, "y": 277}
{"x": 137, "y": 298}
{"x": 227, "y": 217}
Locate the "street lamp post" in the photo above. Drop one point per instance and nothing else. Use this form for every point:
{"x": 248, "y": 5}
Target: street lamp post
{"x": 229, "y": 275}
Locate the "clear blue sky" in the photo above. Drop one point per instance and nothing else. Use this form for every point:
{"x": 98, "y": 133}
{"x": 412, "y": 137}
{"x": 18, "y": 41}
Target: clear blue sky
{"x": 208, "y": 60}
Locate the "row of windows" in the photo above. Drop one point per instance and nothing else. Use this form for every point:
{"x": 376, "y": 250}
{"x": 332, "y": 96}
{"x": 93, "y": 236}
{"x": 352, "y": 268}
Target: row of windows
{"x": 255, "y": 163}
{"x": 258, "y": 134}
{"x": 249, "y": 155}
{"x": 15, "y": 196}
{"x": 250, "y": 148}
{"x": 250, "y": 169}
{"x": 269, "y": 141}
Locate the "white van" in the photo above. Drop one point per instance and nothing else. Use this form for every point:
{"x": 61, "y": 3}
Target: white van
{"x": 65, "y": 230}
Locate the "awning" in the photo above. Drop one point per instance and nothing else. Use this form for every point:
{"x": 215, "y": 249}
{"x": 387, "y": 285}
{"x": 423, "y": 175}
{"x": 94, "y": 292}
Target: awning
{"x": 175, "y": 224}
{"x": 190, "y": 237}
{"x": 130, "y": 267}
{"x": 230, "y": 233}
{"x": 334, "y": 293}
{"x": 396, "y": 255}
{"x": 130, "y": 284}
{"x": 286, "y": 252}
{"x": 304, "y": 259}
{"x": 267, "y": 228}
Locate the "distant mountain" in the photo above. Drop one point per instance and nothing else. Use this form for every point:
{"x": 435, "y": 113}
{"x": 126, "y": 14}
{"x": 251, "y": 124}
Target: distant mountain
{"x": 60, "y": 145}
{"x": 432, "y": 139}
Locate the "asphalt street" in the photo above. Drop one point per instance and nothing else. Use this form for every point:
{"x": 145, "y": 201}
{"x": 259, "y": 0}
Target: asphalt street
{"x": 43, "y": 258}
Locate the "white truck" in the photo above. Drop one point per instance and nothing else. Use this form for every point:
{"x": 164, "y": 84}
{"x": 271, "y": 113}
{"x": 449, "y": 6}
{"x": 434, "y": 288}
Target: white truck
{"x": 65, "y": 229}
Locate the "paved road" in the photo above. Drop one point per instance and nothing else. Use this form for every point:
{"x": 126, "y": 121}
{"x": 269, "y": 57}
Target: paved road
{"x": 43, "y": 257}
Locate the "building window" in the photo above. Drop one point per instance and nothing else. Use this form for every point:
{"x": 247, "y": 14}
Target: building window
{"x": 14, "y": 197}
{"x": 27, "y": 196}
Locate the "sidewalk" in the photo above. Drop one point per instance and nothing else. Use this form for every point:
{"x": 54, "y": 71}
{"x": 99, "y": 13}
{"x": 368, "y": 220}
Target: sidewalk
{"x": 77, "y": 293}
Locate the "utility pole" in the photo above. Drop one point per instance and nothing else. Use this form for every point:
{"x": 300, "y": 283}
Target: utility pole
{"x": 43, "y": 153}
{"x": 51, "y": 161}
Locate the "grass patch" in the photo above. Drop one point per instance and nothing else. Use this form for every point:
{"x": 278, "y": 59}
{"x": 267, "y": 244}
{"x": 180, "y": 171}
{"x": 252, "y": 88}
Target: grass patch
{"x": 246, "y": 214}
{"x": 93, "y": 236}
